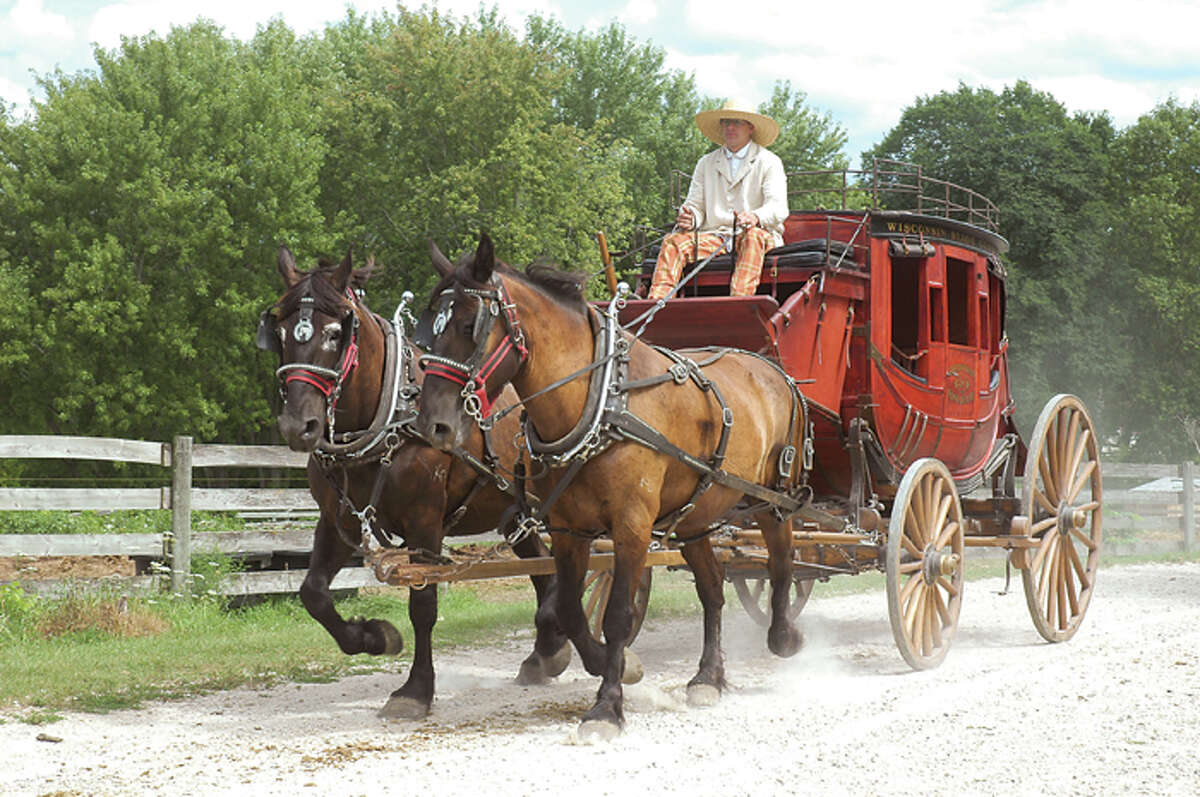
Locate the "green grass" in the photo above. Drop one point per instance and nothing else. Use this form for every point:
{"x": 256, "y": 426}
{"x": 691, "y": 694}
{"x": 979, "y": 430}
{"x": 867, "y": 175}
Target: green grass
{"x": 207, "y": 647}
{"x": 123, "y": 521}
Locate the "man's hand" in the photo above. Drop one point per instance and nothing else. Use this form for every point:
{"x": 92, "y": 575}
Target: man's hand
{"x": 746, "y": 219}
{"x": 684, "y": 219}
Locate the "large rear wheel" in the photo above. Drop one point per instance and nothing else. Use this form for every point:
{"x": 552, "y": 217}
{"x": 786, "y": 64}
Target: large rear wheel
{"x": 1063, "y": 495}
{"x": 925, "y": 563}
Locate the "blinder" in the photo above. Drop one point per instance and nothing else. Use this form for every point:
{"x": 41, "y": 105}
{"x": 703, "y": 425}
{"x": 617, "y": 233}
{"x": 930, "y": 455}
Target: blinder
{"x": 432, "y": 322}
{"x": 267, "y": 338}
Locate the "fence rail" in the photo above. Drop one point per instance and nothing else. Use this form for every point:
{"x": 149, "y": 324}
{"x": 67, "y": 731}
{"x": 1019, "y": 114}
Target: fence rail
{"x": 1160, "y": 519}
{"x": 174, "y": 547}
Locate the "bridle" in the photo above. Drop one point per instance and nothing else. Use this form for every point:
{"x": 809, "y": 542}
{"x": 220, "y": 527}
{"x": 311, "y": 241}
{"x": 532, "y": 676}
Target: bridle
{"x": 474, "y": 374}
{"x": 329, "y": 381}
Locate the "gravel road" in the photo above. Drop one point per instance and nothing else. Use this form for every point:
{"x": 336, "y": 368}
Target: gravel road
{"x": 1116, "y": 710}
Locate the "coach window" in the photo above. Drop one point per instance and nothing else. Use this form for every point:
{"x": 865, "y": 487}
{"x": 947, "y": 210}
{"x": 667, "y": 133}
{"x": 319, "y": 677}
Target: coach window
{"x": 959, "y": 293}
{"x": 906, "y": 312}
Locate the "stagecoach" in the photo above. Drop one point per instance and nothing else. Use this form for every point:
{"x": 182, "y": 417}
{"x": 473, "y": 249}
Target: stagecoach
{"x": 887, "y": 306}
{"x": 853, "y": 415}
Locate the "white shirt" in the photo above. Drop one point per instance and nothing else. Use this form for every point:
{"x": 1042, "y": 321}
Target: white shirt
{"x": 736, "y": 159}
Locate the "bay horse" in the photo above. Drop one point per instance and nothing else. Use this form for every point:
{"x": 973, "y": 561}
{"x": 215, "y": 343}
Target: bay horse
{"x": 337, "y": 381}
{"x": 737, "y": 406}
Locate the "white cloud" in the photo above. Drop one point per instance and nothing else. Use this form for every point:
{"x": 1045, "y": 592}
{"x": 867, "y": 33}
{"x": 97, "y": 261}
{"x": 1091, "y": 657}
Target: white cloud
{"x": 638, "y": 12}
{"x": 30, "y": 18}
{"x": 13, "y": 93}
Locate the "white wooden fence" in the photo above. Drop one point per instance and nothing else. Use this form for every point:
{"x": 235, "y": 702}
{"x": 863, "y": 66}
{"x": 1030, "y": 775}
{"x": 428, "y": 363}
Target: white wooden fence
{"x": 1137, "y": 516}
{"x": 174, "y": 547}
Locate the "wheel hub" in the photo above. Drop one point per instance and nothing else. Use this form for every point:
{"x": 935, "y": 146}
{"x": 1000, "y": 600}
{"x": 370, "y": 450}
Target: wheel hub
{"x": 1070, "y": 518}
{"x": 938, "y": 564}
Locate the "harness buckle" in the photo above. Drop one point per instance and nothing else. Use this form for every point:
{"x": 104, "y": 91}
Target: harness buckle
{"x": 679, "y": 373}
{"x": 524, "y": 527}
{"x": 787, "y": 458}
{"x": 727, "y": 417}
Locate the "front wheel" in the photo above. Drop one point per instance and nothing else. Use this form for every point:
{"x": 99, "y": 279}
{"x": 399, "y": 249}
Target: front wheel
{"x": 925, "y": 563}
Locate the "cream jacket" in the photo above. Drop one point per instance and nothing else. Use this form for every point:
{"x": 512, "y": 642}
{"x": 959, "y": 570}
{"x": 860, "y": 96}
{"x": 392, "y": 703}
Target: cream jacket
{"x": 760, "y": 188}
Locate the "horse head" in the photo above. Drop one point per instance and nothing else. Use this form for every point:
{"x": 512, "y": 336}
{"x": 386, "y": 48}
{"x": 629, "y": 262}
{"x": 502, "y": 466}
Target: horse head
{"x": 314, "y": 328}
{"x": 474, "y": 344}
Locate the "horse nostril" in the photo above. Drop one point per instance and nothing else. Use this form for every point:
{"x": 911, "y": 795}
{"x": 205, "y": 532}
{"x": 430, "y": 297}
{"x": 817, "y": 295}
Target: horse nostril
{"x": 312, "y": 428}
{"x": 440, "y": 434}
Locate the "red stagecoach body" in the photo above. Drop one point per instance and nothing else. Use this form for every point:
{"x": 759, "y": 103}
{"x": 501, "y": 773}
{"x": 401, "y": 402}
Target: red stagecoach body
{"x": 891, "y": 318}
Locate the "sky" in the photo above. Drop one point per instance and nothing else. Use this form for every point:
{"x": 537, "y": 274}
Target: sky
{"x": 862, "y": 62}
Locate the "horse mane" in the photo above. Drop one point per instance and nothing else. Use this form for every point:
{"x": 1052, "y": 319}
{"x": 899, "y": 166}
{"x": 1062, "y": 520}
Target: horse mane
{"x": 318, "y": 283}
{"x": 565, "y": 287}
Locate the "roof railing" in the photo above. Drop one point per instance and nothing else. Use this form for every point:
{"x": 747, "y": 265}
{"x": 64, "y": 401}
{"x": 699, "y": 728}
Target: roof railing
{"x": 887, "y": 185}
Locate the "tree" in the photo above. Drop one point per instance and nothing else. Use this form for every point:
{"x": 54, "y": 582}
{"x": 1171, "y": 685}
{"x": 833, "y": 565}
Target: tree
{"x": 619, "y": 90}
{"x": 438, "y": 128}
{"x": 147, "y": 202}
{"x": 1048, "y": 171}
{"x": 1156, "y": 242}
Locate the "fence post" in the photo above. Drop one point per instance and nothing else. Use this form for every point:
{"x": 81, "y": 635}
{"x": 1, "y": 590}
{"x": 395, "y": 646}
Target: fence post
{"x": 181, "y": 516}
{"x": 1188, "y": 519}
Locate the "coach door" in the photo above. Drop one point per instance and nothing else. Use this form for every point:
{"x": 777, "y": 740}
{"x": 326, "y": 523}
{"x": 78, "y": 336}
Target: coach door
{"x": 966, "y": 335}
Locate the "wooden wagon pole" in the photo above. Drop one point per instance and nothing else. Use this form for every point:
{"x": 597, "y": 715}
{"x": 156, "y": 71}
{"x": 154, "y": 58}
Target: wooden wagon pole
{"x": 610, "y": 274}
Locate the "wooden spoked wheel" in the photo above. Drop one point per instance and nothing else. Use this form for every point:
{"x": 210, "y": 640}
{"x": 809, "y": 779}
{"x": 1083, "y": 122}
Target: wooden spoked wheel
{"x": 755, "y": 596}
{"x": 597, "y": 586}
{"x": 1062, "y": 500}
{"x": 925, "y": 563}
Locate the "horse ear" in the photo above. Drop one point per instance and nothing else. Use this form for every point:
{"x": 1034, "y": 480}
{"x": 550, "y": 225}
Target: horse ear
{"x": 440, "y": 261}
{"x": 485, "y": 259}
{"x": 341, "y": 277}
{"x": 287, "y": 267}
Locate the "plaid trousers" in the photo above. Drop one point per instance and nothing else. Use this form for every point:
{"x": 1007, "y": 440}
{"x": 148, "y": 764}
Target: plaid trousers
{"x": 679, "y": 248}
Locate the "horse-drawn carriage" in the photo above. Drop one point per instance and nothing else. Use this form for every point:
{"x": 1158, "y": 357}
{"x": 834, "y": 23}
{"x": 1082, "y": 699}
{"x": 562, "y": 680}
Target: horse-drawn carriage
{"x": 892, "y": 321}
{"x": 845, "y": 418}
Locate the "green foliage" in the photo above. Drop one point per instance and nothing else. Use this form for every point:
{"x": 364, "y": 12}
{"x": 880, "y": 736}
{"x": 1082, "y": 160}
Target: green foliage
{"x": 615, "y": 88}
{"x": 139, "y": 194}
{"x": 438, "y": 129}
{"x": 18, "y": 611}
{"x": 124, "y": 521}
{"x": 209, "y": 569}
{"x": 1156, "y": 243}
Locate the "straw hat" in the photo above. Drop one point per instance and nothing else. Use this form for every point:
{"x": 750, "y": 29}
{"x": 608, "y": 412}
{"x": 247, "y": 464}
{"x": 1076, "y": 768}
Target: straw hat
{"x": 766, "y": 129}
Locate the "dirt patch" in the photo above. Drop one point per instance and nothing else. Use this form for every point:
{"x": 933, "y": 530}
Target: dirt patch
{"x": 38, "y": 568}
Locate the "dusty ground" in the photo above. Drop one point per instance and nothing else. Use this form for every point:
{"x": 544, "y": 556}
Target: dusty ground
{"x": 1114, "y": 711}
{"x": 30, "y": 568}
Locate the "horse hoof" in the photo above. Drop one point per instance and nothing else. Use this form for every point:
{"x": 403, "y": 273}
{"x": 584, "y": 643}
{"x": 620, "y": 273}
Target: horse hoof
{"x": 393, "y": 643}
{"x": 703, "y": 695}
{"x": 598, "y": 731}
{"x": 555, "y": 665}
{"x": 537, "y": 670}
{"x": 404, "y": 708}
{"x": 532, "y": 672}
{"x": 786, "y": 642}
{"x": 633, "y": 668}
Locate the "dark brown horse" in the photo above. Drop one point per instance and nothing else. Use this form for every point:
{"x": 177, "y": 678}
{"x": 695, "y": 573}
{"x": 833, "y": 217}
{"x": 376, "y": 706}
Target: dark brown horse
{"x": 548, "y": 333}
{"x": 336, "y": 369}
